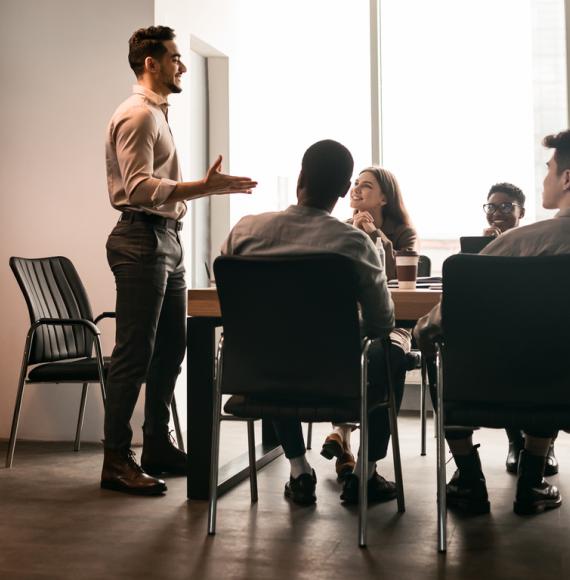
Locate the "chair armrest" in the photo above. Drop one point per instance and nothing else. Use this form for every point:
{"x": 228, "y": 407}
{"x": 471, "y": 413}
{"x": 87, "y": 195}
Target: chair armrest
{"x": 104, "y": 315}
{"x": 65, "y": 322}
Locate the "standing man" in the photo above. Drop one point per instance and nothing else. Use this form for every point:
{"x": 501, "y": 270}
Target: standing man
{"x": 145, "y": 254}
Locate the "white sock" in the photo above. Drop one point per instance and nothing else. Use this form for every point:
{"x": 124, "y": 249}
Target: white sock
{"x": 371, "y": 468}
{"x": 299, "y": 465}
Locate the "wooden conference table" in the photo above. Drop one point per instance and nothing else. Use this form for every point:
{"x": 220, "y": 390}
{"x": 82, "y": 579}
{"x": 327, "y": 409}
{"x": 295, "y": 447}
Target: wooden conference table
{"x": 203, "y": 318}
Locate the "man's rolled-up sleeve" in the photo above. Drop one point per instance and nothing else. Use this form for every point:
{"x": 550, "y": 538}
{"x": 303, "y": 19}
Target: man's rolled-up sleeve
{"x": 134, "y": 138}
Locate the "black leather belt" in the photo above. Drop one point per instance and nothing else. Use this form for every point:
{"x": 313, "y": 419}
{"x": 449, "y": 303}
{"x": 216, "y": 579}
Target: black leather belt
{"x": 149, "y": 218}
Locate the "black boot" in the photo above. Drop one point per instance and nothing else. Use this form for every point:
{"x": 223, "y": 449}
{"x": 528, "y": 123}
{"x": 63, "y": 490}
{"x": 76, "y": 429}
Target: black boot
{"x": 516, "y": 444}
{"x": 551, "y": 467}
{"x": 467, "y": 490}
{"x": 534, "y": 495}
{"x": 160, "y": 455}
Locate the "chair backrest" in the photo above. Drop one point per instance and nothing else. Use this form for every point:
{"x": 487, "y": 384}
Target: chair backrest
{"x": 424, "y": 266}
{"x": 506, "y": 329}
{"x": 52, "y": 289}
{"x": 291, "y": 327}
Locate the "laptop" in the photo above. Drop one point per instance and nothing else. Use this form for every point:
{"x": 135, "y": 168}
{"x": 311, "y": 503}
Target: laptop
{"x": 474, "y": 244}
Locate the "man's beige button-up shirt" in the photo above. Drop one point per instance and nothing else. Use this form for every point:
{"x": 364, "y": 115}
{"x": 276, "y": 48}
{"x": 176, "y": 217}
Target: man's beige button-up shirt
{"x": 142, "y": 165}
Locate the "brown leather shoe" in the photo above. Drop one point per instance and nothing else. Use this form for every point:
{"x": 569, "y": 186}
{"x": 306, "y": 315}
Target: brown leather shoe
{"x": 333, "y": 446}
{"x": 344, "y": 465}
{"x": 160, "y": 455}
{"x": 122, "y": 473}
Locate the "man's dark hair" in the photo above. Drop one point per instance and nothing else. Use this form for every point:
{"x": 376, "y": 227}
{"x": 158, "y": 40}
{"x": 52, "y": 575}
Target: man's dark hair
{"x": 561, "y": 145}
{"x": 508, "y": 189}
{"x": 147, "y": 42}
{"x": 327, "y": 168}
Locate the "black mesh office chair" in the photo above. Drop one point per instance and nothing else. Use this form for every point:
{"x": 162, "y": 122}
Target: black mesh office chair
{"x": 504, "y": 352}
{"x": 291, "y": 347}
{"x": 61, "y": 337}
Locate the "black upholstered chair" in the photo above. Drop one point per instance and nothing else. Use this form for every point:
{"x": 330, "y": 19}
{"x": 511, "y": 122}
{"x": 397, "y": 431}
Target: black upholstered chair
{"x": 60, "y": 341}
{"x": 291, "y": 347}
{"x": 503, "y": 357}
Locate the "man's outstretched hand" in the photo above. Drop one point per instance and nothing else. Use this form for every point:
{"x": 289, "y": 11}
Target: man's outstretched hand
{"x": 218, "y": 183}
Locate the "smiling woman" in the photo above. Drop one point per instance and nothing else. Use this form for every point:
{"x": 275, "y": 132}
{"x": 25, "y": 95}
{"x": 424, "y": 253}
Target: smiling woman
{"x": 379, "y": 210}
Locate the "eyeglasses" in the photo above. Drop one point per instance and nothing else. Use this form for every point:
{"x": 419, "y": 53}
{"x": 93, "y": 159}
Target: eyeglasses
{"x": 505, "y": 207}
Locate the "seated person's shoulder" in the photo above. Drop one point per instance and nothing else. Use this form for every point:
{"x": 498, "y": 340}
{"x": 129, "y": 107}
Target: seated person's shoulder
{"x": 546, "y": 236}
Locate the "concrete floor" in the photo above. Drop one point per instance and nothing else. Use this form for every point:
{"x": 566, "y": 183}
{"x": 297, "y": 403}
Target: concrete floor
{"x": 56, "y": 523}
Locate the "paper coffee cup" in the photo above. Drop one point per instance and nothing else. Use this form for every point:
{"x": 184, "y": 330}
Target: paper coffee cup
{"x": 407, "y": 269}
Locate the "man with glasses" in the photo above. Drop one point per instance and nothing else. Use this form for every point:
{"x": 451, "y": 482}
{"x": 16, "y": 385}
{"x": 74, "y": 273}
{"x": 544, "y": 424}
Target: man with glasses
{"x": 467, "y": 490}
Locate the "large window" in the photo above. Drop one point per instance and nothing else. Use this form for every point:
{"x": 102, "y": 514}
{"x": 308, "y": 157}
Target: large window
{"x": 468, "y": 91}
{"x": 304, "y": 71}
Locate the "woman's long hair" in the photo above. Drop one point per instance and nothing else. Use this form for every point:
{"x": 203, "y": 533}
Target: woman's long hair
{"x": 394, "y": 208}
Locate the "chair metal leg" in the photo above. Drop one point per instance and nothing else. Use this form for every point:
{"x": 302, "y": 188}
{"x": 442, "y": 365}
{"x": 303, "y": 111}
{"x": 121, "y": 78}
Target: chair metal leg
{"x": 177, "y": 428}
{"x": 82, "y": 404}
{"x": 216, "y": 423}
{"x": 363, "y": 450}
{"x": 423, "y": 412}
{"x": 15, "y": 422}
{"x": 393, "y": 418}
{"x": 251, "y": 453}
{"x": 309, "y": 435}
{"x": 441, "y": 475}
{"x": 19, "y": 398}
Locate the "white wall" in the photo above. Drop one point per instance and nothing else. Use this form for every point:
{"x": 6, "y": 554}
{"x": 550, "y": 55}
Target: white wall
{"x": 64, "y": 70}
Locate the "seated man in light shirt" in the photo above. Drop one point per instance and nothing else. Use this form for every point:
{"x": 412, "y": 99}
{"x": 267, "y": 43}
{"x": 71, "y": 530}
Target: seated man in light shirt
{"x": 467, "y": 490}
{"x": 308, "y": 228}
{"x": 504, "y": 210}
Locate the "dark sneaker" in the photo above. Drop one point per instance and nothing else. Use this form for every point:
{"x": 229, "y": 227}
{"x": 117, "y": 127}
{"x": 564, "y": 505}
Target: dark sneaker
{"x": 534, "y": 494}
{"x": 301, "y": 489}
{"x": 379, "y": 489}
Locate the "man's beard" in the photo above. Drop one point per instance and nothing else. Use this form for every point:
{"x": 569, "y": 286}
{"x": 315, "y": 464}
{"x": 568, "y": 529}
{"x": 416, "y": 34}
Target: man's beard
{"x": 173, "y": 88}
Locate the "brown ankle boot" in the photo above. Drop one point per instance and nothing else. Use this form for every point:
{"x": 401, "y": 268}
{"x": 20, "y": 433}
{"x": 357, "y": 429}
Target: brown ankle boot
{"x": 122, "y": 473}
{"x": 160, "y": 455}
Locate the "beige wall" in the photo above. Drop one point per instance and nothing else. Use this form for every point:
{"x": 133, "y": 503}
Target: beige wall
{"x": 64, "y": 70}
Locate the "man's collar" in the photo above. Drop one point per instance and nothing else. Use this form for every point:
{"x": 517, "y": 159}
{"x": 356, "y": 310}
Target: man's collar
{"x": 563, "y": 213}
{"x": 153, "y": 97}
{"x": 306, "y": 210}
